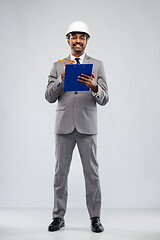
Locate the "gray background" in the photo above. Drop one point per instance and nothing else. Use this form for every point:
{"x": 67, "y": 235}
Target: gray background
{"x": 125, "y": 35}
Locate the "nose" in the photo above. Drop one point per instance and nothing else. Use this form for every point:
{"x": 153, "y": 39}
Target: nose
{"x": 78, "y": 40}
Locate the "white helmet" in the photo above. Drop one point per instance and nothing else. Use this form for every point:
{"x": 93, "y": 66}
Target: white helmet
{"x": 78, "y": 26}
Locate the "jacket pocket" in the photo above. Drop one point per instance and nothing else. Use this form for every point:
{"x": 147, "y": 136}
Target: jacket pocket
{"x": 60, "y": 107}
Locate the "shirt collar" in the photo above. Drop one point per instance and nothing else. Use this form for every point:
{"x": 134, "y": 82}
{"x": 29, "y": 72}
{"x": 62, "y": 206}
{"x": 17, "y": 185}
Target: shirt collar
{"x": 81, "y": 57}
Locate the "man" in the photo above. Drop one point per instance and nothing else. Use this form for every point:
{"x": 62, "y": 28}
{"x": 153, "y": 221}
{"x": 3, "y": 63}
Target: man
{"x": 76, "y": 123}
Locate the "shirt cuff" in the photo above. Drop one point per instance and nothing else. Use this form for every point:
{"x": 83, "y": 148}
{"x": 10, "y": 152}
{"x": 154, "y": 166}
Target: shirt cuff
{"x": 59, "y": 82}
{"x": 98, "y": 94}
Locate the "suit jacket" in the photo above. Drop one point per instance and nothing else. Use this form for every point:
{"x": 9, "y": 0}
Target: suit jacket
{"x": 76, "y": 109}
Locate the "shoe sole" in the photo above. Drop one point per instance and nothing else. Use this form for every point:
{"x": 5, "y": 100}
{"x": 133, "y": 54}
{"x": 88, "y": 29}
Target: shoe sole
{"x": 97, "y": 231}
{"x": 56, "y": 229}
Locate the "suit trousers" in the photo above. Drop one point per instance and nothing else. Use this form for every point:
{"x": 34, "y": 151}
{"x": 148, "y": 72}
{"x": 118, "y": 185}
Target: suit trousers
{"x": 87, "y": 145}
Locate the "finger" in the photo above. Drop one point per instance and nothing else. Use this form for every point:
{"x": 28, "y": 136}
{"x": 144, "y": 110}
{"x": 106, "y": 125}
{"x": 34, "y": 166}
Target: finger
{"x": 69, "y": 62}
{"x": 93, "y": 75}
{"x": 88, "y": 84}
{"x": 84, "y": 79}
{"x": 73, "y": 62}
{"x": 85, "y": 75}
{"x": 84, "y": 82}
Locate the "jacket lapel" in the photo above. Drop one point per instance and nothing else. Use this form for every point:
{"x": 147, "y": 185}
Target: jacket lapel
{"x": 61, "y": 66}
{"x": 86, "y": 59}
{"x": 68, "y": 58}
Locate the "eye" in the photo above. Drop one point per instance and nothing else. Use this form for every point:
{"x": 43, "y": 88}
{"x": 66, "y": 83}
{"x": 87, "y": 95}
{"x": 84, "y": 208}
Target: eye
{"x": 74, "y": 37}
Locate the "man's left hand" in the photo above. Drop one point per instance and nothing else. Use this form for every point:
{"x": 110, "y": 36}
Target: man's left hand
{"x": 89, "y": 81}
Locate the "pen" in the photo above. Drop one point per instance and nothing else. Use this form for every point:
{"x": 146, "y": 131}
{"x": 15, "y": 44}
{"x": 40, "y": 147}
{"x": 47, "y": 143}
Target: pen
{"x": 62, "y": 60}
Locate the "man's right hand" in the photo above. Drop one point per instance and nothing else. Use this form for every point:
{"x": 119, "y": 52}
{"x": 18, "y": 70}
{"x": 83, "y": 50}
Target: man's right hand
{"x": 68, "y": 62}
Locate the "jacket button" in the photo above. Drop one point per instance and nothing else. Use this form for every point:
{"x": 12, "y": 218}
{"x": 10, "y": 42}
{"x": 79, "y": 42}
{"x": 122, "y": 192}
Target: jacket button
{"x": 75, "y": 92}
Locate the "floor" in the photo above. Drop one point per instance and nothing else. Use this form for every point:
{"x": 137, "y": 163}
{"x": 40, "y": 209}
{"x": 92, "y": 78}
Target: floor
{"x": 119, "y": 224}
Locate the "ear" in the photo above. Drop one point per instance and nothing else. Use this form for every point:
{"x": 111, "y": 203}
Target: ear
{"x": 68, "y": 42}
{"x": 86, "y": 41}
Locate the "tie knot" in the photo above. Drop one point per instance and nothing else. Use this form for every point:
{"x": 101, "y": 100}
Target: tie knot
{"x": 77, "y": 60}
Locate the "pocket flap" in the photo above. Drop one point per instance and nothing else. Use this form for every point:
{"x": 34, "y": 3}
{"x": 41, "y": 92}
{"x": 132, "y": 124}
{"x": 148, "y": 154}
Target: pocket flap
{"x": 60, "y": 107}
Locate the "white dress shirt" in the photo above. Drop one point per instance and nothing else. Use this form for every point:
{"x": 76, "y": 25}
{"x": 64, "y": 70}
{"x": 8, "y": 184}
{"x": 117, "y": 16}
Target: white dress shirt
{"x": 81, "y": 58}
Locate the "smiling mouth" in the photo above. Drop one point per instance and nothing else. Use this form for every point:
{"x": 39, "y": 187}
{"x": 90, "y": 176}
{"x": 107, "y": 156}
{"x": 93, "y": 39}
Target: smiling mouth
{"x": 78, "y": 45}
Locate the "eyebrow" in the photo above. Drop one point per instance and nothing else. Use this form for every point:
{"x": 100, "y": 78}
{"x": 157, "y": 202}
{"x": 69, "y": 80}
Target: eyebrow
{"x": 82, "y": 35}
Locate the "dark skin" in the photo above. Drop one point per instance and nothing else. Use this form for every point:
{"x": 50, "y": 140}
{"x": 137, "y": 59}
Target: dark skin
{"x": 78, "y": 43}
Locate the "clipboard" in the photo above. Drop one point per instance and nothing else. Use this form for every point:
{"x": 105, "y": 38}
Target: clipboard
{"x": 72, "y": 71}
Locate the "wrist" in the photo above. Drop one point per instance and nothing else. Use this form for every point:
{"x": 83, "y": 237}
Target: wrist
{"x": 62, "y": 77}
{"x": 95, "y": 88}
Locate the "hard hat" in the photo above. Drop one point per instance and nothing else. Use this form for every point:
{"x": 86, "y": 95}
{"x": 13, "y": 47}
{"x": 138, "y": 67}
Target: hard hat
{"x": 78, "y": 26}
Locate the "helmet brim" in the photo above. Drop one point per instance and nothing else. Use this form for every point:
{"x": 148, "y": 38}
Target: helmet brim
{"x": 75, "y": 32}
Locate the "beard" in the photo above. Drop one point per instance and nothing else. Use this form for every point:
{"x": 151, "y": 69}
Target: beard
{"x": 78, "y": 47}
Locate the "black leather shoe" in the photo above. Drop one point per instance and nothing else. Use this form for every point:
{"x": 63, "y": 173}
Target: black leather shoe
{"x": 56, "y": 224}
{"x": 96, "y": 225}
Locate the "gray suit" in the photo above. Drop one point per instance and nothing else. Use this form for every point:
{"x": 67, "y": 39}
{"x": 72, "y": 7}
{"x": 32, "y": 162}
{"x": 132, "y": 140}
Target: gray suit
{"x": 76, "y": 122}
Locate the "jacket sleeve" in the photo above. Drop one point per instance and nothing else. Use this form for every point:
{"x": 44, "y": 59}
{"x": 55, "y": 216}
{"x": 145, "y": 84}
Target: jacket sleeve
{"x": 101, "y": 96}
{"x": 54, "y": 87}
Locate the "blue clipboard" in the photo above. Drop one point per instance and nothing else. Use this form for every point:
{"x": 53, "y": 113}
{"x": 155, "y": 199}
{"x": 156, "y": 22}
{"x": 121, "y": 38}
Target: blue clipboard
{"x": 72, "y": 71}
